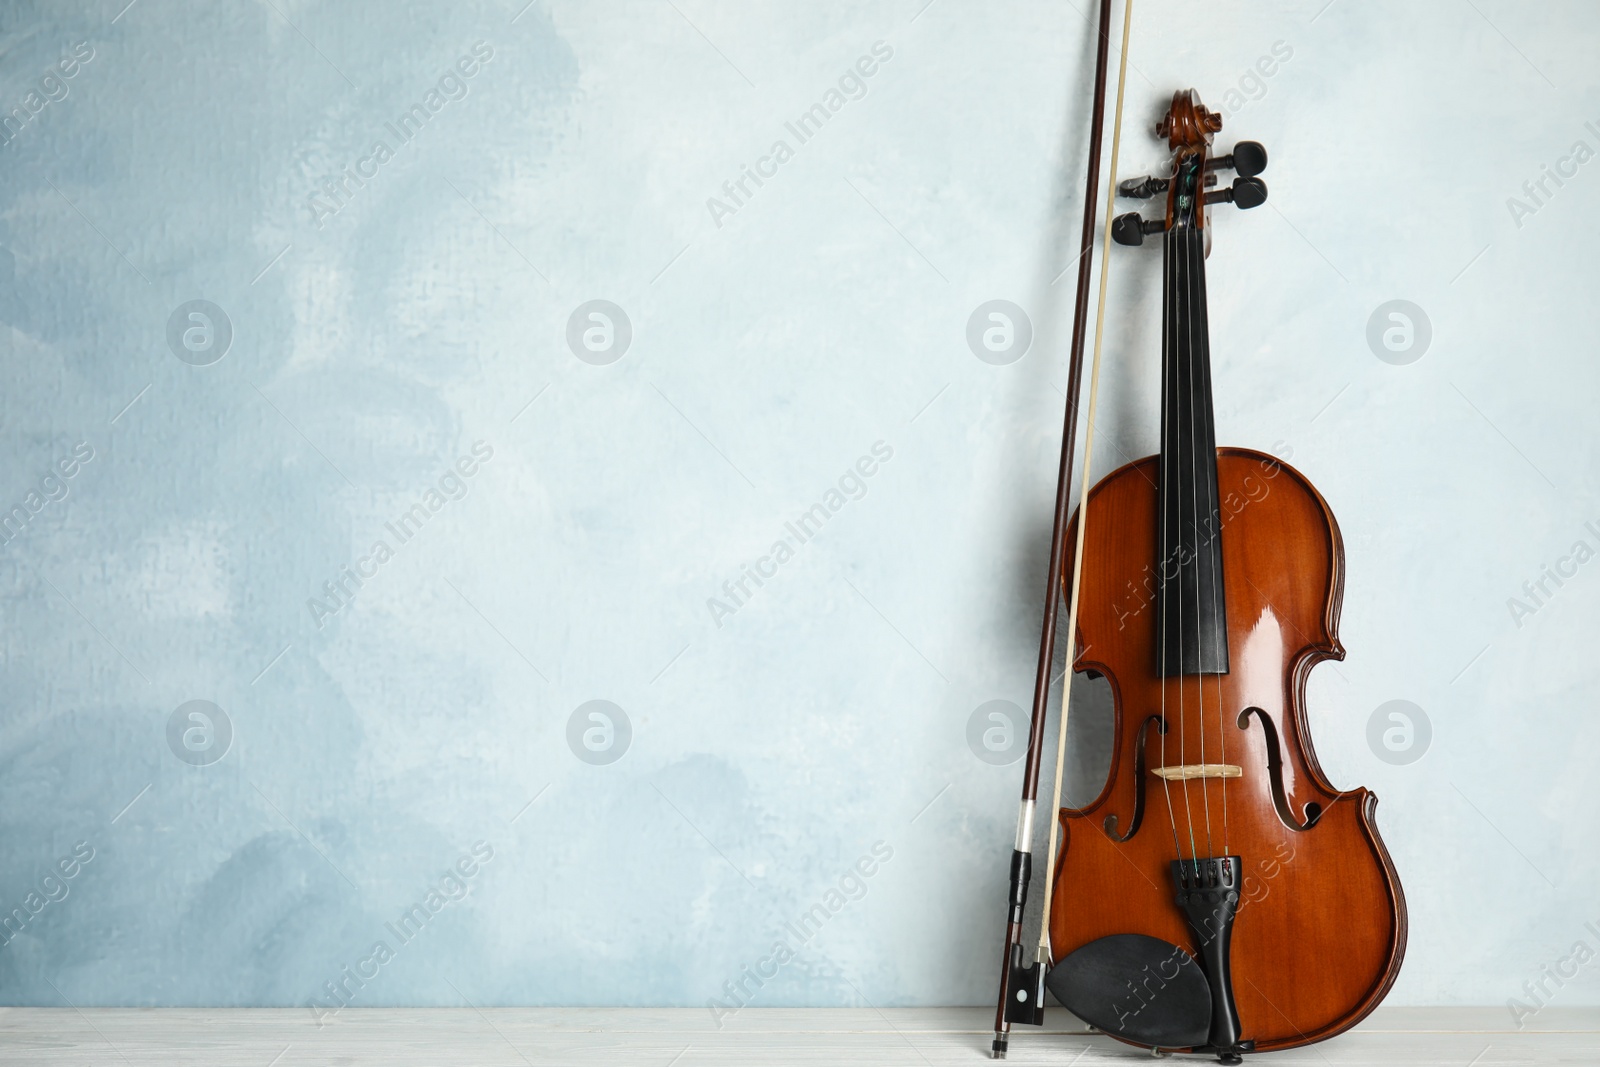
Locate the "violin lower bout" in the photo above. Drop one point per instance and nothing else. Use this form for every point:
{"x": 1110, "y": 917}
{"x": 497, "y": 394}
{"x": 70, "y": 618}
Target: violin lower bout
{"x": 1321, "y": 926}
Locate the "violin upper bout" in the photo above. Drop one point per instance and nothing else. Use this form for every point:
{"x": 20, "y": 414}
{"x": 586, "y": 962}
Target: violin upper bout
{"x": 1283, "y": 549}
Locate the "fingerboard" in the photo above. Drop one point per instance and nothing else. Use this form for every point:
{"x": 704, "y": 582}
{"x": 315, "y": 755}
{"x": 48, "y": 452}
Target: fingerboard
{"x": 1192, "y": 616}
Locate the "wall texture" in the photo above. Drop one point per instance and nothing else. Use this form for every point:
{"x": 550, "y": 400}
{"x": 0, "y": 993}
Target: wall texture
{"x": 395, "y": 502}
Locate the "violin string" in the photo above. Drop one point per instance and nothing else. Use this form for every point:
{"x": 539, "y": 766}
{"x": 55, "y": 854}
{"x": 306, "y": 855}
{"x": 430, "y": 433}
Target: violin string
{"x": 1213, "y": 554}
{"x": 1171, "y": 490}
{"x": 1194, "y": 264}
{"x": 1164, "y": 479}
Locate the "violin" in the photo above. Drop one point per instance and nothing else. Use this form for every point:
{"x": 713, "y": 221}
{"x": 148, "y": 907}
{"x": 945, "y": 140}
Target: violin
{"x": 1219, "y": 895}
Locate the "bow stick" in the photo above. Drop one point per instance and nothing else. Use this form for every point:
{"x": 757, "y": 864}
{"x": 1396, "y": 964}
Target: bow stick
{"x": 1021, "y": 998}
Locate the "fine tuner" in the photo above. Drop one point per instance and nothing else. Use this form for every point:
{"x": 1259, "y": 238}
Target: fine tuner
{"x": 1248, "y": 159}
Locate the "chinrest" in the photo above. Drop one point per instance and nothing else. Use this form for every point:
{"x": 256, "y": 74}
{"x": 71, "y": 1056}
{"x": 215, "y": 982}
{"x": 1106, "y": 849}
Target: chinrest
{"x": 1136, "y": 987}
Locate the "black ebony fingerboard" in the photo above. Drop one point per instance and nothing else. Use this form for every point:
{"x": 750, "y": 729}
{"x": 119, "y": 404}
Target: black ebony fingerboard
{"x": 1193, "y": 634}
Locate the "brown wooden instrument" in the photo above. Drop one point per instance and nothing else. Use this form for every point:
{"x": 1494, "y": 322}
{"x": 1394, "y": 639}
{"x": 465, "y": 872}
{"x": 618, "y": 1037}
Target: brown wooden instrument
{"x": 1220, "y": 894}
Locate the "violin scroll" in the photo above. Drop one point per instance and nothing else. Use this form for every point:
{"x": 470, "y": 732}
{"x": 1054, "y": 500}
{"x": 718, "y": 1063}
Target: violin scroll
{"x": 1188, "y": 127}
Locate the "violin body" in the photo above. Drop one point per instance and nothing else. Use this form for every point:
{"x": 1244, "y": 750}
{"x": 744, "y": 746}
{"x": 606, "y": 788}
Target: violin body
{"x": 1320, "y": 926}
{"x": 1219, "y": 895}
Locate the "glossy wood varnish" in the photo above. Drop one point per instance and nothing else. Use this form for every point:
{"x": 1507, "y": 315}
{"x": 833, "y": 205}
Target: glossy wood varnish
{"x": 1322, "y": 927}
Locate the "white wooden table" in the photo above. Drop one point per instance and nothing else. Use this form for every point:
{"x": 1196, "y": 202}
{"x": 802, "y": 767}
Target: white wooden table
{"x": 653, "y": 1037}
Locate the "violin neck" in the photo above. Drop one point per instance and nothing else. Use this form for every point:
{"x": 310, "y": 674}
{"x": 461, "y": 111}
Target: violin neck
{"x": 1193, "y": 636}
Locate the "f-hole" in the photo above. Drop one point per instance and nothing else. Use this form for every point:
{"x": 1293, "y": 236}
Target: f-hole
{"x": 1275, "y": 773}
{"x": 1139, "y": 766}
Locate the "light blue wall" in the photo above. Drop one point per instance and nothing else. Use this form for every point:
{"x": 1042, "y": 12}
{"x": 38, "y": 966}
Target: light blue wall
{"x": 772, "y": 747}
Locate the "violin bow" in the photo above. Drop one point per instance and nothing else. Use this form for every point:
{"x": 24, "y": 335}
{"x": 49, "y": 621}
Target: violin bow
{"x": 1021, "y": 998}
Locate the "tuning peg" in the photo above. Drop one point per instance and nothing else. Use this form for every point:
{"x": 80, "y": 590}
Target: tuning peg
{"x": 1248, "y": 158}
{"x": 1130, "y": 229}
{"x": 1145, "y": 188}
{"x": 1243, "y": 193}
{"x": 1142, "y": 188}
